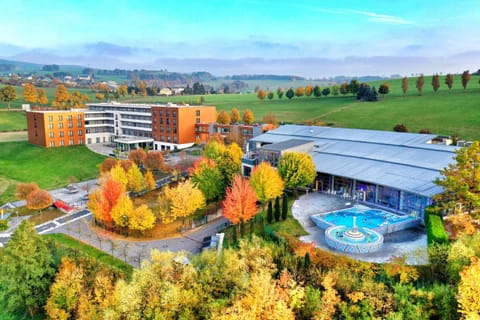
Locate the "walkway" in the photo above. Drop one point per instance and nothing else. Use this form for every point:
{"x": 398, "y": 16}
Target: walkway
{"x": 410, "y": 243}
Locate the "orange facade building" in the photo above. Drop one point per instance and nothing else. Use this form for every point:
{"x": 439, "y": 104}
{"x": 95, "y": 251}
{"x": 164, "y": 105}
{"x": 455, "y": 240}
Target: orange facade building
{"x": 173, "y": 126}
{"x": 56, "y": 128}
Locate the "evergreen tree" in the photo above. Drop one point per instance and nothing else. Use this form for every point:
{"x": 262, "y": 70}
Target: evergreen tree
{"x": 290, "y": 93}
{"x": 26, "y": 271}
{"x": 270, "y": 212}
{"x": 277, "y": 209}
{"x": 307, "y": 262}
{"x": 285, "y": 207}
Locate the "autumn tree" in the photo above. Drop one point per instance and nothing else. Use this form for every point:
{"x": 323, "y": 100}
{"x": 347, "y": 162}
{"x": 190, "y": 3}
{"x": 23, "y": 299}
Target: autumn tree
{"x": 155, "y": 161}
{"x": 465, "y": 79}
{"x": 142, "y": 88}
{"x": 299, "y": 92}
{"x": 469, "y": 290}
{"x": 261, "y": 94}
{"x": 270, "y": 118}
{"x": 420, "y": 83}
{"x": 24, "y": 189}
{"x": 344, "y": 88}
{"x": 77, "y": 99}
{"x": 107, "y": 165}
{"x": 137, "y": 156}
{"x": 60, "y": 101}
{"x": 240, "y": 203}
{"x": 266, "y": 182}
{"x": 308, "y": 90}
{"x": 280, "y": 92}
{"x": 207, "y": 177}
{"x": 122, "y": 211}
{"x": 39, "y": 199}
{"x": 119, "y": 173}
{"x": 404, "y": 85}
{"x": 400, "y": 128}
{"x": 296, "y": 169}
{"x": 247, "y": 116}
{"x": 26, "y": 271}
{"x": 435, "y": 82}
{"x": 317, "y": 91}
{"x": 123, "y": 90}
{"x": 461, "y": 179}
{"x": 42, "y": 96}
{"x": 30, "y": 93}
{"x": 235, "y": 116}
{"x": 223, "y": 117}
{"x": 103, "y": 200}
{"x": 149, "y": 180}
{"x": 335, "y": 89}
{"x": 180, "y": 201}
{"x": 8, "y": 94}
{"x": 100, "y": 96}
{"x": 449, "y": 81}
{"x": 135, "y": 181}
{"x": 290, "y": 93}
{"x": 142, "y": 219}
{"x": 384, "y": 89}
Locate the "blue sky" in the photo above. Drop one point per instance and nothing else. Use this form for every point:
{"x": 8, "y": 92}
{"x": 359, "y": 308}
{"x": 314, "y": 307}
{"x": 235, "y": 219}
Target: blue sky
{"x": 438, "y": 34}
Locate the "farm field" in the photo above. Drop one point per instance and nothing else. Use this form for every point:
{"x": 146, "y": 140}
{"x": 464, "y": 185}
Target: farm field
{"x": 49, "y": 168}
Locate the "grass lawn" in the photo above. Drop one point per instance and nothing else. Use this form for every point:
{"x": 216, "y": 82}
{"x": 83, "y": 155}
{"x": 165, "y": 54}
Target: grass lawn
{"x": 73, "y": 244}
{"x": 12, "y": 120}
{"x": 49, "y": 168}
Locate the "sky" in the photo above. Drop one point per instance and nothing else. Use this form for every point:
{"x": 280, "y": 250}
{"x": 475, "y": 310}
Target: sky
{"x": 302, "y": 37}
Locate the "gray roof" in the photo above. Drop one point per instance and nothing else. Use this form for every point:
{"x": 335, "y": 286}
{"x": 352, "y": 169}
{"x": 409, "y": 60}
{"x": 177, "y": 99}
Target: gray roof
{"x": 285, "y": 145}
{"x": 405, "y": 161}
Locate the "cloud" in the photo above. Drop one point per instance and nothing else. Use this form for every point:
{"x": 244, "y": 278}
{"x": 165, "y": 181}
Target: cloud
{"x": 375, "y": 17}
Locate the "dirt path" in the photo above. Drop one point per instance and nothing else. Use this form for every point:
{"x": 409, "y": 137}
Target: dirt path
{"x": 13, "y": 136}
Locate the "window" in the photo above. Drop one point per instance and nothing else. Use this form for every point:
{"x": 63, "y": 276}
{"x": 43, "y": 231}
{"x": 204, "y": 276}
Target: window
{"x": 168, "y": 121}
{"x": 70, "y": 125}
{"x": 50, "y": 118}
{"x": 198, "y": 120}
{"x": 79, "y": 125}
{"x": 161, "y": 120}
{"x": 197, "y": 113}
{"x": 79, "y": 117}
{"x": 174, "y": 122}
{"x": 167, "y": 113}
{"x": 50, "y": 126}
{"x": 69, "y": 117}
{"x": 52, "y": 144}
{"x": 161, "y": 113}
{"x": 51, "y": 135}
{"x": 60, "y": 118}
{"x": 80, "y": 141}
{"x": 70, "y": 133}
{"x": 80, "y": 132}
{"x": 98, "y": 139}
{"x": 61, "y": 133}
{"x": 62, "y": 143}
{"x": 60, "y": 125}
{"x": 174, "y": 113}
{"x": 70, "y": 142}
{"x": 174, "y": 129}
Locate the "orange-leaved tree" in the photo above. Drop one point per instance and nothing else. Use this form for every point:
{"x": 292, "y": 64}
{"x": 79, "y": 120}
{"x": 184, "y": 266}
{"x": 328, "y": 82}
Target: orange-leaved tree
{"x": 42, "y": 96}
{"x": 24, "y": 189}
{"x": 261, "y": 94}
{"x": 266, "y": 182}
{"x": 155, "y": 161}
{"x": 223, "y": 117}
{"x": 240, "y": 203}
{"x": 180, "y": 201}
{"x": 62, "y": 96}
{"x": 138, "y": 156}
{"x": 247, "y": 116}
{"x": 107, "y": 165}
{"x": 234, "y": 115}
{"x": 104, "y": 199}
{"x": 30, "y": 93}
{"x": 465, "y": 79}
{"x": 39, "y": 199}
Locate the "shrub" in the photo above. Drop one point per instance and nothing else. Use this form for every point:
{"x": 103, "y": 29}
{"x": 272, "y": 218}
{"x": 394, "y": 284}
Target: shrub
{"x": 435, "y": 230}
{"x": 3, "y": 225}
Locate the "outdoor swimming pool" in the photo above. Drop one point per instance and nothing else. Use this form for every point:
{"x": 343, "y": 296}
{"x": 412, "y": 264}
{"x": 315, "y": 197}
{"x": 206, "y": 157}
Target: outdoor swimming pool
{"x": 376, "y": 219}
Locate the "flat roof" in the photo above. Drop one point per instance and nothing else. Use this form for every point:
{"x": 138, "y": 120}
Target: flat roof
{"x": 285, "y": 145}
{"x": 144, "y": 105}
{"x": 405, "y": 161}
{"x": 132, "y": 140}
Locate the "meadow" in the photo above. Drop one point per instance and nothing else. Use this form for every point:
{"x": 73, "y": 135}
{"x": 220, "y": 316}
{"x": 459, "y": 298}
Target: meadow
{"x": 49, "y": 168}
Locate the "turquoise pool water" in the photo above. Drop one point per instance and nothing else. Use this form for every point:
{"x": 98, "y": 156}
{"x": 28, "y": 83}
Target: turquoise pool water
{"x": 366, "y": 218}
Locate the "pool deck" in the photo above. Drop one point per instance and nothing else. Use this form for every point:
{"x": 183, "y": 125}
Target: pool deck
{"x": 411, "y": 243}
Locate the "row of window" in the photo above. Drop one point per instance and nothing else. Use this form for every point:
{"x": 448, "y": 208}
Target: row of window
{"x": 60, "y": 125}
{"x": 99, "y": 130}
{"x": 167, "y": 129}
{"x": 167, "y": 138}
{"x": 167, "y": 113}
{"x": 51, "y": 134}
{"x": 135, "y": 124}
{"x": 167, "y": 121}
{"x": 60, "y": 118}
{"x": 120, "y": 109}
{"x": 61, "y": 143}
{"x": 136, "y": 133}
{"x": 135, "y": 117}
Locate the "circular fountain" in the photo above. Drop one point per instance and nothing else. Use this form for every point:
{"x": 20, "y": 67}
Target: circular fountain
{"x": 354, "y": 239}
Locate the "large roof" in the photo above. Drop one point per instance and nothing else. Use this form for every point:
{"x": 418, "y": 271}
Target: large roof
{"x": 405, "y": 161}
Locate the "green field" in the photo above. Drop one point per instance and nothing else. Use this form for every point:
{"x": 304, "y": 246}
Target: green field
{"x": 12, "y": 121}
{"x": 49, "y": 168}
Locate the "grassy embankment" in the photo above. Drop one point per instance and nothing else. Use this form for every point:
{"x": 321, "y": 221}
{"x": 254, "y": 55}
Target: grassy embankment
{"x": 49, "y": 168}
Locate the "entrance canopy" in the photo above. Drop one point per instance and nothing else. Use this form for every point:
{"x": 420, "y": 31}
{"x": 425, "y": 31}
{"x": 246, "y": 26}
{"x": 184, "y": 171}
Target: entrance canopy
{"x": 128, "y": 144}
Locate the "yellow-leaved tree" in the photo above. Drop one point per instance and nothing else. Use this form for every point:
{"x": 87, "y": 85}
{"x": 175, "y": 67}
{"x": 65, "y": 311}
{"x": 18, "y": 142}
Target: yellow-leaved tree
{"x": 142, "y": 219}
{"x": 123, "y": 211}
{"x": 297, "y": 169}
{"x": 62, "y": 97}
{"x": 135, "y": 181}
{"x": 180, "y": 201}
{"x": 469, "y": 291}
{"x": 267, "y": 182}
{"x": 29, "y": 93}
{"x": 118, "y": 173}
{"x": 42, "y": 96}
{"x": 149, "y": 180}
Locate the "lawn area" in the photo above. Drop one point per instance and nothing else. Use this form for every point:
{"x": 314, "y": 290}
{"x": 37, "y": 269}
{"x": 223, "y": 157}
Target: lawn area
{"x": 74, "y": 245}
{"x": 49, "y": 168}
{"x": 12, "y": 120}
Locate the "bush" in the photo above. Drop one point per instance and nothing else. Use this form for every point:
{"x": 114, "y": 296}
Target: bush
{"x": 435, "y": 230}
{"x": 3, "y": 225}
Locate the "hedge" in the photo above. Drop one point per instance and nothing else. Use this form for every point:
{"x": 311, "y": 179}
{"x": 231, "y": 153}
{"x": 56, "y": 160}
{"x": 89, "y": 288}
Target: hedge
{"x": 435, "y": 230}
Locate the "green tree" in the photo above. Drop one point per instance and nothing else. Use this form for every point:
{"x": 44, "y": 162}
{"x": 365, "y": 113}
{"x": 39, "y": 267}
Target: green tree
{"x": 317, "y": 91}
{"x": 296, "y": 169}
{"x": 276, "y": 212}
{"x": 26, "y": 271}
{"x": 344, "y": 88}
{"x": 290, "y": 94}
{"x": 435, "y": 82}
{"x": 461, "y": 179}
{"x": 326, "y": 91}
{"x": 354, "y": 86}
{"x": 449, "y": 81}
{"x": 207, "y": 177}
{"x": 284, "y": 207}
{"x": 280, "y": 93}
{"x": 8, "y": 94}
{"x": 384, "y": 89}
{"x": 335, "y": 89}
{"x": 270, "y": 95}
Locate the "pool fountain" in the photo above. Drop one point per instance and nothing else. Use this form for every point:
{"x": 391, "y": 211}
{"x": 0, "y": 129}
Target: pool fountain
{"x": 353, "y": 240}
